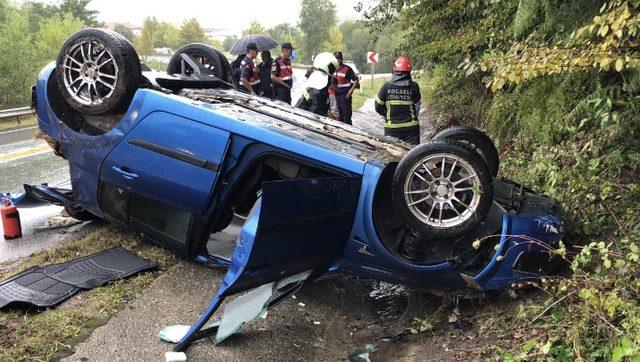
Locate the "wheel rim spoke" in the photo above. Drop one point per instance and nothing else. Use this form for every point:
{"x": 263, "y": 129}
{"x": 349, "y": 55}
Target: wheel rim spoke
{"x": 464, "y": 179}
{"x": 419, "y": 201}
{"x": 105, "y": 75}
{"x": 455, "y": 163}
{"x": 420, "y": 176}
{"x": 106, "y": 84}
{"x": 428, "y": 171}
{"x": 105, "y": 62}
{"x": 416, "y": 192}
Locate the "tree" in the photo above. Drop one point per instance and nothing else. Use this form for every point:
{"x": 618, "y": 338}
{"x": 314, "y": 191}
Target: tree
{"x": 254, "y": 28}
{"x": 145, "y": 43}
{"x": 216, "y": 43}
{"x": 334, "y": 42}
{"x": 78, "y": 9}
{"x": 317, "y": 17}
{"x": 167, "y": 36}
{"x": 124, "y": 30}
{"x": 228, "y": 42}
{"x": 54, "y": 32}
{"x": 282, "y": 31}
{"x": 192, "y": 32}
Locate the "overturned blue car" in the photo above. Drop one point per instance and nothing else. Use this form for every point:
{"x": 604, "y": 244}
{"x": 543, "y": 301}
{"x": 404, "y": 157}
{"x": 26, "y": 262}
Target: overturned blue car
{"x": 277, "y": 195}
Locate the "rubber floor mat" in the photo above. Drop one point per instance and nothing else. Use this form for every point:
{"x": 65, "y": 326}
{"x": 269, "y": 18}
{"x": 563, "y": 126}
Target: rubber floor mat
{"x": 50, "y": 285}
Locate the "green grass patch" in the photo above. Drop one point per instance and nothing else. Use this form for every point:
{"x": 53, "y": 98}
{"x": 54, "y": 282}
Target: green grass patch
{"x": 366, "y": 91}
{"x": 50, "y": 333}
{"x": 12, "y": 123}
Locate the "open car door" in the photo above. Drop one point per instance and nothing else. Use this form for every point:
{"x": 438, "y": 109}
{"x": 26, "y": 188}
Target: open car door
{"x": 295, "y": 231}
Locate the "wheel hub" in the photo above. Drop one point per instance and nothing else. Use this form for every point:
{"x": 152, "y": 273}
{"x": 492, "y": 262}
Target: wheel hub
{"x": 90, "y": 72}
{"x": 442, "y": 190}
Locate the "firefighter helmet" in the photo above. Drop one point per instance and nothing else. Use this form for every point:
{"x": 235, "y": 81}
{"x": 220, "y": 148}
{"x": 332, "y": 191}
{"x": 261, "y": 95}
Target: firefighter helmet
{"x": 402, "y": 64}
{"x": 326, "y": 62}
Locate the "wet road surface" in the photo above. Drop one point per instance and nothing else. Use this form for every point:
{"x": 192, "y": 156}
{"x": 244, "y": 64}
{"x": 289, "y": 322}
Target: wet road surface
{"x": 27, "y": 160}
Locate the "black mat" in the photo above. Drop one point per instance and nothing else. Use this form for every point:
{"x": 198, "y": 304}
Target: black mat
{"x": 49, "y": 285}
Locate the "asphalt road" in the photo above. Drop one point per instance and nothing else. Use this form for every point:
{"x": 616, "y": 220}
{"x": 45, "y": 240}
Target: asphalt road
{"x": 24, "y": 159}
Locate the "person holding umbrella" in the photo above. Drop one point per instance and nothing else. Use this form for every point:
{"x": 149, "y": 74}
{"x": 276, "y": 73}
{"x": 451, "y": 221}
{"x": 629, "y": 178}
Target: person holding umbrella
{"x": 249, "y": 75}
{"x": 282, "y": 74}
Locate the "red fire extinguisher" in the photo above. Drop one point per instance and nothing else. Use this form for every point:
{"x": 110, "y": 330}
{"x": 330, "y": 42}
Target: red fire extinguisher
{"x": 10, "y": 220}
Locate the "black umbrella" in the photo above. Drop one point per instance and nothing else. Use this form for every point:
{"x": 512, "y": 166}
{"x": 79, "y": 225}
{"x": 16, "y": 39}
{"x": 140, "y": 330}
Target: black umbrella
{"x": 262, "y": 41}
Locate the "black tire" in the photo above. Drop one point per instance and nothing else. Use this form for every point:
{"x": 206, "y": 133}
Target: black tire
{"x": 123, "y": 71}
{"x": 479, "y": 195}
{"x": 79, "y": 213}
{"x": 478, "y": 140}
{"x": 227, "y": 72}
{"x": 212, "y": 58}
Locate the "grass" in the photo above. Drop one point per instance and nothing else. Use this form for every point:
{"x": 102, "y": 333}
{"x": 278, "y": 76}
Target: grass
{"x": 12, "y": 123}
{"x": 33, "y": 334}
{"x": 366, "y": 91}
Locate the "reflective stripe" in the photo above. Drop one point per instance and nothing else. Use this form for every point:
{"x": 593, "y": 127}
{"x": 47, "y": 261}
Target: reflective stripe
{"x": 285, "y": 78}
{"x": 400, "y": 103}
{"x": 379, "y": 101}
{"x": 389, "y": 104}
{"x": 344, "y": 85}
{"x": 305, "y": 94}
{"x": 400, "y": 125}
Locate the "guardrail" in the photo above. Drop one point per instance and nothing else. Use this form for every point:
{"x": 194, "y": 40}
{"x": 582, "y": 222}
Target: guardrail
{"x": 16, "y": 112}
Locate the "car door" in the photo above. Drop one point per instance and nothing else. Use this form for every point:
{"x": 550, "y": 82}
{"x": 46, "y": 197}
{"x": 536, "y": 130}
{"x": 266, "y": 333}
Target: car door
{"x": 296, "y": 229}
{"x": 161, "y": 174}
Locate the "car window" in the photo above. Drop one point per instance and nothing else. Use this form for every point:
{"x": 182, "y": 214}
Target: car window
{"x": 167, "y": 224}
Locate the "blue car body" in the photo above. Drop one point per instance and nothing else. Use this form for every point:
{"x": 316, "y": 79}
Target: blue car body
{"x": 186, "y": 157}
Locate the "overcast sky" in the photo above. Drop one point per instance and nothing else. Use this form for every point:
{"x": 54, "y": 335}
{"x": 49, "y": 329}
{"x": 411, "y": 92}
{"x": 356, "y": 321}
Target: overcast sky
{"x": 229, "y": 14}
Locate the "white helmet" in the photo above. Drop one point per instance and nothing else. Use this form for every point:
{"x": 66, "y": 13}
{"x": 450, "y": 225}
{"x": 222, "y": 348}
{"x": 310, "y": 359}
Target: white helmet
{"x": 326, "y": 62}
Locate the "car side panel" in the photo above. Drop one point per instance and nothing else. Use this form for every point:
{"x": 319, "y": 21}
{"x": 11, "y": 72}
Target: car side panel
{"x": 175, "y": 160}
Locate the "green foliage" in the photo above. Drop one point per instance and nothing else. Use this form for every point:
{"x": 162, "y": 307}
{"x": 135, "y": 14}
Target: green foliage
{"x": 317, "y": 17}
{"x": 564, "y": 109}
{"x": 229, "y": 41}
{"x": 79, "y": 10}
{"x": 192, "y": 32}
{"x": 254, "y": 28}
{"x": 145, "y": 43}
{"x": 26, "y": 47}
{"x": 284, "y": 33}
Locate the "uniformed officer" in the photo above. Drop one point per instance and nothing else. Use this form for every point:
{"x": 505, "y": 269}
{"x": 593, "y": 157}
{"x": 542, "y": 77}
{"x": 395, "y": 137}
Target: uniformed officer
{"x": 315, "y": 97}
{"x": 265, "y": 74}
{"x": 347, "y": 83}
{"x": 249, "y": 75}
{"x": 282, "y": 74}
{"x": 399, "y": 102}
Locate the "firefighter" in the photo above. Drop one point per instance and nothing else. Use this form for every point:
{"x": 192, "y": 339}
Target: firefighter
{"x": 282, "y": 74}
{"x": 265, "y": 74}
{"x": 315, "y": 97}
{"x": 347, "y": 83}
{"x": 249, "y": 75}
{"x": 399, "y": 102}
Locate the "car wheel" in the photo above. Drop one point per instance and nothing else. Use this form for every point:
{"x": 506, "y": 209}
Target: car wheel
{"x": 442, "y": 188}
{"x": 79, "y": 213}
{"x": 478, "y": 140}
{"x": 213, "y": 61}
{"x": 98, "y": 72}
